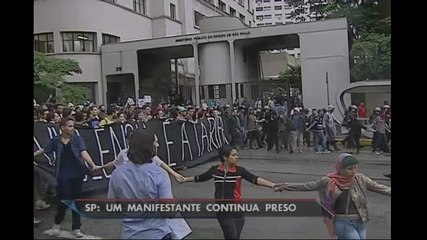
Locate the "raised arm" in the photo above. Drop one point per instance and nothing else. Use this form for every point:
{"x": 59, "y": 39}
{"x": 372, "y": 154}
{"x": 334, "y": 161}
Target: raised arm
{"x": 159, "y": 162}
{"x": 376, "y": 187}
{"x": 108, "y": 165}
{"x": 85, "y": 155}
{"x": 201, "y": 178}
{"x": 250, "y": 177}
{"x": 307, "y": 186}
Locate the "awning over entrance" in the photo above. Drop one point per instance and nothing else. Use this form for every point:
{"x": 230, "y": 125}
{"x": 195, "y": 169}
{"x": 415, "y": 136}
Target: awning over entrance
{"x": 370, "y": 86}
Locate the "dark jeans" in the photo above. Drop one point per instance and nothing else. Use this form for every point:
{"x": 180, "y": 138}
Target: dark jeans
{"x": 354, "y": 140}
{"x": 253, "y": 135}
{"x": 271, "y": 139}
{"x": 281, "y": 139}
{"x": 319, "y": 144}
{"x": 68, "y": 189}
{"x": 306, "y": 137}
{"x": 231, "y": 226}
{"x": 380, "y": 141}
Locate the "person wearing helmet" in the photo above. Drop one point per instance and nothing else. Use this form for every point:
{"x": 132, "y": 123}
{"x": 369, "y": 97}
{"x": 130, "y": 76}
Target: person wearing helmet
{"x": 346, "y": 121}
{"x": 387, "y": 114}
{"x": 376, "y": 113}
{"x": 380, "y": 139}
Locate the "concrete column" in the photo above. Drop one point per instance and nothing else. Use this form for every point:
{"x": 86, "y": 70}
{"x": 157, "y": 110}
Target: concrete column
{"x": 232, "y": 72}
{"x": 196, "y": 74}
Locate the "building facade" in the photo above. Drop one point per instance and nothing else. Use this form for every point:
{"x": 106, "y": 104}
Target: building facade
{"x": 227, "y": 62}
{"x": 77, "y": 29}
{"x": 277, "y": 12}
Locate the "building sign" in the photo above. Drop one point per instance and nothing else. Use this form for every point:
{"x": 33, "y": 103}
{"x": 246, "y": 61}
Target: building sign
{"x": 214, "y": 36}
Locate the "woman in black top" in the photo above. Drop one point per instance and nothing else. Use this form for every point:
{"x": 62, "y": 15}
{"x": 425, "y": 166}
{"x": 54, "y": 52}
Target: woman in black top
{"x": 228, "y": 177}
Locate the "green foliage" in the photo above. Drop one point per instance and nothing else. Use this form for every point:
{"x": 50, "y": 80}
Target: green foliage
{"x": 74, "y": 94}
{"x": 372, "y": 57}
{"x": 49, "y": 73}
{"x": 291, "y": 75}
{"x": 370, "y": 29}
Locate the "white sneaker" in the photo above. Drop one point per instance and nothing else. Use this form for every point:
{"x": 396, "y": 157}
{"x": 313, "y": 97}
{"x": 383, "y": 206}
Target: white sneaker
{"x": 77, "y": 233}
{"x": 56, "y": 230}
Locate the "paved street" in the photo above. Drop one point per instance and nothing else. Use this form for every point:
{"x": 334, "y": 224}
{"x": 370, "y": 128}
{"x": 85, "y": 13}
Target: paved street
{"x": 283, "y": 167}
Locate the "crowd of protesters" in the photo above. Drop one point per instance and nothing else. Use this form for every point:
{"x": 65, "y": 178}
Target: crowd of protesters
{"x": 277, "y": 124}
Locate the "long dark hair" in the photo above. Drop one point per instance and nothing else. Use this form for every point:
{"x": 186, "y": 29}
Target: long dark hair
{"x": 141, "y": 146}
{"x": 225, "y": 151}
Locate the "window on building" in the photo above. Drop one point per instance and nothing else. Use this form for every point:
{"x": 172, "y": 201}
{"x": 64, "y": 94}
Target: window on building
{"x": 277, "y": 7}
{"x": 139, "y": 6}
{"x": 258, "y": 9}
{"x": 217, "y": 91}
{"x": 173, "y": 11}
{"x": 197, "y": 17}
{"x": 267, "y": 16}
{"x": 221, "y": 5}
{"x": 242, "y": 17}
{"x": 108, "y": 39}
{"x": 268, "y": 8}
{"x": 268, "y": 24}
{"x": 43, "y": 42}
{"x": 260, "y": 24}
{"x": 259, "y": 17}
{"x": 258, "y": 1}
{"x": 279, "y": 23}
{"x": 266, "y": 1}
{"x": 78, "y": 41}
{"x": 277, "y": 0}
{"x": 110, "y": 1}
{"x": 232, "y": 12}
{"x": 278, "y": 16}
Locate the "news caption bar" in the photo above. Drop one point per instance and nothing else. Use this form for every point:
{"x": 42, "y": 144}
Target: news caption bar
{"x": 197, "y": 208}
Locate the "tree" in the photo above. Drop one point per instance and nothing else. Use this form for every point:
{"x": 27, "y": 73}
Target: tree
{"x": 49, "y": 73}
{"x": 372, "y": 57}
{"x": 291, "y": 76}
{"x": 370, "y": 32}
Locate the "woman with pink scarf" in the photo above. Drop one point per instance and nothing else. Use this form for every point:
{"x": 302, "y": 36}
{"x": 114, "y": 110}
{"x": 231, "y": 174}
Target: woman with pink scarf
{"x": 343, "y": 196}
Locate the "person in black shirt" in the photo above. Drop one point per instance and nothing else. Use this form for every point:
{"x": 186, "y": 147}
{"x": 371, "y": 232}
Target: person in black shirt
{"x": 228, "y": 177}
{"x": 355, "y": 133}
{"x": 71, "y": 156}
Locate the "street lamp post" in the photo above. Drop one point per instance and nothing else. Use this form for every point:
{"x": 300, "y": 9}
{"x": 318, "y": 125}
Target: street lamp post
{"x": 327, "y": 87}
